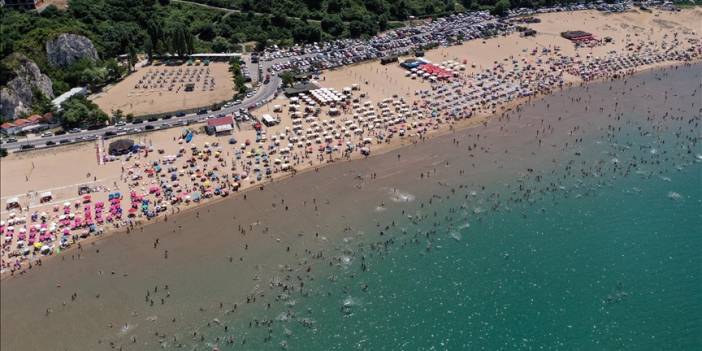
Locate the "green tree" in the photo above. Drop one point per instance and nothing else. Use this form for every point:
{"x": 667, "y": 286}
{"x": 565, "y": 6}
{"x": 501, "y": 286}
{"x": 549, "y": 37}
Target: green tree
{"x": 180, "y": 38}
{"x": 41, "y": 104}
{"x": 220, "y": 44}
{"x": 81, "y": 112}
{"x": 131, "y": 57}
{"x": 288, "y": 78}
{"x": 501, "y": 8}
{"x": 117, "y": 115}
{"x": 333, "y": 25}
{"x": 149, "y": 48}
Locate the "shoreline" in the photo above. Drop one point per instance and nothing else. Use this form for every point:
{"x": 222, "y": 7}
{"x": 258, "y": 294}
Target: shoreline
{"x": 164, "y": 173}
{"x": 453, "y": 127}
{"x": 354, "y": 208}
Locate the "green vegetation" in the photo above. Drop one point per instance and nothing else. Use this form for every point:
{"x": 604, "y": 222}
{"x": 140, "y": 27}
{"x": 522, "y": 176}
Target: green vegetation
{"x": 123, "y": 29}
{"x": 239, "y": 80}
{"x": 3, "y": 152}
{"x": 79, "y": 111}
{"x": 288, "y": 78}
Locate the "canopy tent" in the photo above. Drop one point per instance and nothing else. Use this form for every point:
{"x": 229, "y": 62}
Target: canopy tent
{"x": 120, "y": 147}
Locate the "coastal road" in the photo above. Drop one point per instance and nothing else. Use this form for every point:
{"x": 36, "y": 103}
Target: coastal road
{"x": 262, "y": 95}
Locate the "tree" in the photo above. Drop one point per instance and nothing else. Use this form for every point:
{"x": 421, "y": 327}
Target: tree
{"x": 131, "y": 57}
{"x": 288, "y": 78}
{"x": 81, "y": 112}
{"x": 220, "y": 44}
{"x": 307, "y": 33}
{"x": 117, "y": 115}
{"x": 149, "y": 48}
{"x": 181, "y": 39}
{"x": 3, "y": 152}
{"x": 333, "y": 25}
{"x": 501, "y": 8}
{"x": 41, "y": 104}
{"x": 130, "y": 117}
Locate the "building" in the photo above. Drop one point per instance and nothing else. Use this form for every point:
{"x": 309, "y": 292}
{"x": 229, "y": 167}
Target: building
{"x": 32, "y": 123}
{"x": 57, "y": 102}
{"x": 220, "y": 125}
{"x": 217, "y": 56}
{"x": 577, "y": 36}
{"x": 300, "y": 88}
{"x": 21, "y": 4}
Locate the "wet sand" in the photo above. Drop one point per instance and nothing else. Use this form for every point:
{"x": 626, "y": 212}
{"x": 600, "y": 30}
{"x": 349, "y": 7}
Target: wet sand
{"x": 306, "y": 213}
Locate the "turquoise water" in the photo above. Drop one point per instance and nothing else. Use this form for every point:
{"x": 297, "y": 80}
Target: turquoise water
{"x": 618, "y": 269}
{"x": 572, "y": 224}
{"x": 597, "y": 250}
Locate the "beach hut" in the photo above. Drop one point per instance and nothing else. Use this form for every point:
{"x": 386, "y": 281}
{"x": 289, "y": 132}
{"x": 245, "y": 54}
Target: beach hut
{"x": 11, "y": 203}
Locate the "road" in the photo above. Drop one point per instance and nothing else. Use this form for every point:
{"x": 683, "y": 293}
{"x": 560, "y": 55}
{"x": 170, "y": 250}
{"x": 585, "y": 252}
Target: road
{"x": 229, "y": 11}
{"x": 265, "y": 92}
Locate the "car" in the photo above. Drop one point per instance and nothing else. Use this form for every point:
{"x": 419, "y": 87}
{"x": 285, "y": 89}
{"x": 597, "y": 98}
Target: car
{"x": 136, "y": 130}
{"x": 167, "y": 117}
{"x": 27, "y": 146}
{"x": 138, "y": 121}
{"x": 120, "y": 123}
{"x": 202, "y": 112}
{"x": 149, "y": 127}
{"x": 11, "y": 140}
{"x": 64, "y": 141}
{"x": 110, "y": 133}
{"x": 47, "y": 134}
{"x": 74, "y": 130}
{"x": 50, "y": 143}
{"x": 153, "y": 119}
{"x": 60, "y": 132}
{"x": 180, "y": 114}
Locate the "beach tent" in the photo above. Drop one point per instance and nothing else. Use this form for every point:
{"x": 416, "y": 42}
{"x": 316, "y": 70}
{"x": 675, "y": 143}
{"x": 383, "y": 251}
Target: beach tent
{"x": 46, "y": 197}
{"x": 12, "y": 203}
{"x": 120, "y": 147}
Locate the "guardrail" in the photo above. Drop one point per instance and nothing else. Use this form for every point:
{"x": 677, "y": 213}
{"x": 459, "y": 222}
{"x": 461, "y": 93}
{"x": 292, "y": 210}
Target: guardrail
{"x": 210, "y": 107}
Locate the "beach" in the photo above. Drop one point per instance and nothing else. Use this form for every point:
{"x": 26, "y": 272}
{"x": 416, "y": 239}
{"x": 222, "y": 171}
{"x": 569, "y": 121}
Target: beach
{"x": 161, "y": 89}
{"x": 322, "y": 217}
{"x": 284, "y": 257}
{"x": 376, "y": 108}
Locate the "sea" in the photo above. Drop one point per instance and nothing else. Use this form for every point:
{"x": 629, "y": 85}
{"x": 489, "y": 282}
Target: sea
{"x": 573, "y": 222}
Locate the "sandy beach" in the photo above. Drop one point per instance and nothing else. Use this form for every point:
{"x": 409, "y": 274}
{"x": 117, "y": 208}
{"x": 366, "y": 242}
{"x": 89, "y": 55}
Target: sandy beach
{"x": 159, "y": 89}
{"x": 249, "y": 248}
{"x": 212, "y": 166}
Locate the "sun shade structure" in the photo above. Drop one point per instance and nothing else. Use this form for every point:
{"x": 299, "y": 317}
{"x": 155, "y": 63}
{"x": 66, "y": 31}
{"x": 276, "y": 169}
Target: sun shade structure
{"x": 121, "y": 147}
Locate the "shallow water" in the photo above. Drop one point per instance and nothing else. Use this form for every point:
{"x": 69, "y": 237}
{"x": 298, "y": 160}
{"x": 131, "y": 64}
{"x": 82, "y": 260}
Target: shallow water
{"x": 590, "y": 240}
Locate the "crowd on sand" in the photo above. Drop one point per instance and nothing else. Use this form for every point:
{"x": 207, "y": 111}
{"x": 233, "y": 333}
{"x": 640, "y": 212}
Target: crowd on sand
{"x": 350, "y": 125}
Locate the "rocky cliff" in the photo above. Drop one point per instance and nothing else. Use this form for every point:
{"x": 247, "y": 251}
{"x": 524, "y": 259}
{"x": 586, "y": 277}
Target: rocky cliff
{"x": 18, "y": 96}
{"x": 68, "y": 48}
